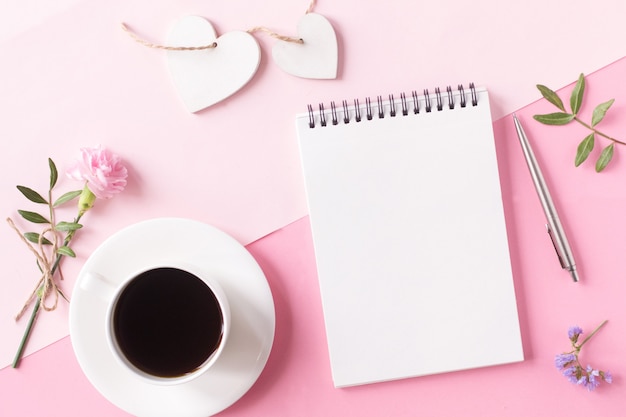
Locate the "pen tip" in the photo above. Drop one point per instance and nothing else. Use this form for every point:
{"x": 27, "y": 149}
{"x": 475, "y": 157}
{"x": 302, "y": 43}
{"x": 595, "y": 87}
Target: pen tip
{"x": 574, "y": 275}
{"x": 517, "y": 124}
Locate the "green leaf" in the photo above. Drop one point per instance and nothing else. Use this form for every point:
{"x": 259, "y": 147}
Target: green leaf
{"x": 605, "y": 157}
{"x": 576, "y": 99}
{"x": 67, "y": 197}
{"x": 67, "y": 226}
{"x": 66, "y": 251}
{"x": 600, "y": 111}
{"x": 584, "y": 149}
{"x": 34, "y": 237}
{"x": 32, "y": 195}
{"x": 551, "y": 96}
{"x": 554, "y": 118}
{"x": 33, "y": 217}
{"x": 54, "y": 174}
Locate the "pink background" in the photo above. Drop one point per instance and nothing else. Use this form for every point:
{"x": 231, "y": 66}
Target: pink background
{"x": 72, "y": 78}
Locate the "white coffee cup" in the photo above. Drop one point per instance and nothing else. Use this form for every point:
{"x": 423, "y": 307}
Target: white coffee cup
{"x": 166, "y": 323}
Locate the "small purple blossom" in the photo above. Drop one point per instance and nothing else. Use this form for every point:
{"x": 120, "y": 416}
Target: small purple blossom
{"x": 570, "y": 374}
{"x": 573, "y": 333}
{"x": 593, "y": 376}
{"x": 563, "y": 360}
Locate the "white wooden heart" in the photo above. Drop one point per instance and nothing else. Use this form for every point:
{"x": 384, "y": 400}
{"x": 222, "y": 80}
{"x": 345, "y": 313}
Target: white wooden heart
{"x": 205, "y": 77}
{"x": 317, "y": 57}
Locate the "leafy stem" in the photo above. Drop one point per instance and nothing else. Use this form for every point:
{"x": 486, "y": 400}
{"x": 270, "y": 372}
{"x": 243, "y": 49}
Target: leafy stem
{"x": 564, "y": 117}
{"x": 69, "y": 228}
{"x": 597, "y": 132}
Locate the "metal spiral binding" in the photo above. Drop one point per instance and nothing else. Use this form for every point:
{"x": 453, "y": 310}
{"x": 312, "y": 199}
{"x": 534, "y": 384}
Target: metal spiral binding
{"x": 441, "y": 100}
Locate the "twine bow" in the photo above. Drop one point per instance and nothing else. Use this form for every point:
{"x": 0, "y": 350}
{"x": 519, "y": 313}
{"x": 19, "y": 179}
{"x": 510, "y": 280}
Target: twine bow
{"x": 46, "y": 284}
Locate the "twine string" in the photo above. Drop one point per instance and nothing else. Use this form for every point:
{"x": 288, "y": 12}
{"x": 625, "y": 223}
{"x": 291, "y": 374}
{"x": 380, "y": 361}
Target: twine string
{"x": 311, "y": 7}
{"x": 275, "y": 35}
{"x": 165, "y": 47}
{"x": 214, "y": 44}
{"x": 283, "y": 37}
{"x": 46, "y": 283}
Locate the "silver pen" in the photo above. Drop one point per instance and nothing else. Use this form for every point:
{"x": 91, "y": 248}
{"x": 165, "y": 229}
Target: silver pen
{"x": 554, "y": 226}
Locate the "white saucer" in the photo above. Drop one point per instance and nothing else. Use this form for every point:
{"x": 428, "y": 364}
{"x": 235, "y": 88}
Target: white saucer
{"x": 252, "y": 307}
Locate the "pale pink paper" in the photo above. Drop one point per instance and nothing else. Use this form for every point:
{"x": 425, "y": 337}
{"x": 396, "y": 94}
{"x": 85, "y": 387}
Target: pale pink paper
{"x": 77, "y": 80}
{"x": 19, "y": 16}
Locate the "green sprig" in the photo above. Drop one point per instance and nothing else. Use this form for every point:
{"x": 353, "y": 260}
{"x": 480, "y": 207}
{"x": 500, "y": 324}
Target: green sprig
{"x": 564, "y": 117}
{"x": 69, "y": 228}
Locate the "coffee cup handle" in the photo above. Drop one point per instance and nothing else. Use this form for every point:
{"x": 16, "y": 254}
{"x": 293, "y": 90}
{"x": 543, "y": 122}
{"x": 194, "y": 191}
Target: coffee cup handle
{"x": 98, "y": 285}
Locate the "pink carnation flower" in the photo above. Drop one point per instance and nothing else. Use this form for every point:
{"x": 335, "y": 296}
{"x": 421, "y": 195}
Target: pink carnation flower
{"x": 101, "y": 169}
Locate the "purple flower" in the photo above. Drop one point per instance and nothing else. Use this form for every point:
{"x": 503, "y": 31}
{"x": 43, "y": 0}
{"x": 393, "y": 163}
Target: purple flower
{"x": 593, "y": 376}
{"x": 571, "y": 373}
{"x": 563, "y": 360}
{"x": 571, "y": 368}
{"x": 573, "y": 333}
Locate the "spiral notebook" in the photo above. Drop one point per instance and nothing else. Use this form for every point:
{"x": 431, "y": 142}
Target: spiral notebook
{"x": 409, "y": 235}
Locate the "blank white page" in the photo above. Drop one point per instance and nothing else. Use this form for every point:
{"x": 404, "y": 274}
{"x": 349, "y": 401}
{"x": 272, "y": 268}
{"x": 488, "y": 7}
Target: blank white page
{"x": 410, "y": 239}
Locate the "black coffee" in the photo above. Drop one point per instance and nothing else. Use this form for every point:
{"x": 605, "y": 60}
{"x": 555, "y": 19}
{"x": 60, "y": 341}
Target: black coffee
{"x": 167, "y": 322}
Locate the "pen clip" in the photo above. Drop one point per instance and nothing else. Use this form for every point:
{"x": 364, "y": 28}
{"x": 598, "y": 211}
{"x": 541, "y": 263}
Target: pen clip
{"x": 556, "y": 249}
